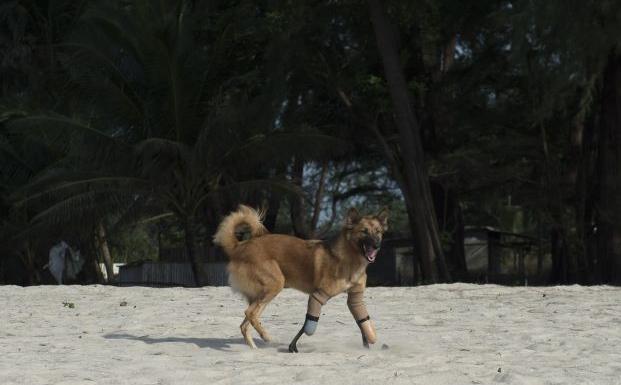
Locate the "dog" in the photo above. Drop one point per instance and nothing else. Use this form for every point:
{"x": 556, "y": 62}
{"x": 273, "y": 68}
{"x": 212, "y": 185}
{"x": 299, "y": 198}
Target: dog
{"x": 262, "y": 264}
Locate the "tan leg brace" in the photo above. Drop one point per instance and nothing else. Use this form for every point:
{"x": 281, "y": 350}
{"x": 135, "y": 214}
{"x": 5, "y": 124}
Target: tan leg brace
{"x": 315, "y": 302}
{"x": 355, "y": 302}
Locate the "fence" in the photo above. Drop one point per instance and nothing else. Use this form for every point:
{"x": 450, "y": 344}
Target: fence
{"x": 491, "y": 256}
{"x": 170, "y": 274}
{"x": 206, "y": 253}
{"x": 507, "y": 258}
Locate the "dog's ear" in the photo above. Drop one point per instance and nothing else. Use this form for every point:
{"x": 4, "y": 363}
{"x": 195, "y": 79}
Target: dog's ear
{"x": 382, "y": 217}
{"x": 352, "y": 217}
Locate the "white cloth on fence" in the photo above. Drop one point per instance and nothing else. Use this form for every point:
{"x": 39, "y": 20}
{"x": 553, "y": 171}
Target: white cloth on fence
{"x": 62, "y": 267}
{"x": 57, "y": 260}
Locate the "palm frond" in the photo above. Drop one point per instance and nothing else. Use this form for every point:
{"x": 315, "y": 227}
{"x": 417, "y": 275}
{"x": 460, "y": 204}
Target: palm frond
{"x": 54, "y": 129}
{"x": 52, "y": 187}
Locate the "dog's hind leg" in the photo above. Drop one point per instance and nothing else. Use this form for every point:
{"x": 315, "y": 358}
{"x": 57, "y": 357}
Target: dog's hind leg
{"x": 273, "y": 283}
{"x": 245, "y": 330}
{"x": 253, "y": 318}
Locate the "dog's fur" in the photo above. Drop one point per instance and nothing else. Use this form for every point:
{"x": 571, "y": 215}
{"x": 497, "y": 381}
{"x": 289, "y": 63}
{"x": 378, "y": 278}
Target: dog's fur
{"x": 260, "y": 267}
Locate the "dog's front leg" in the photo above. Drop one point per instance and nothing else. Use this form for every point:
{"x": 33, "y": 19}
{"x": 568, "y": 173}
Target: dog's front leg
{"x": 293, "y": 345}
{"x": 315, "y": 302}
{"x": 355, "y": 302}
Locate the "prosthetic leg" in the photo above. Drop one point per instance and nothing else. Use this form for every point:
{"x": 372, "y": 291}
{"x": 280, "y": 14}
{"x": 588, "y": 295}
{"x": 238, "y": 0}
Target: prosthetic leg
{"x": 355, "y": 303}
{"x": 315, "y": 302}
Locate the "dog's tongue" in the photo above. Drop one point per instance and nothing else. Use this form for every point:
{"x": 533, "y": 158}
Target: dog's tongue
{"x": 370, "y": 253}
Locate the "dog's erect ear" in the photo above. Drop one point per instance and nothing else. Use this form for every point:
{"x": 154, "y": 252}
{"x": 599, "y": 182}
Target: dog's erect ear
{"x": 352, "y": 217}
{"x": 382, "y": 217}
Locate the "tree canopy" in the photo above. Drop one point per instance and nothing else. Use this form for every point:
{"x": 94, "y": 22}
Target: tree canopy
{"x": 134, "y": 122}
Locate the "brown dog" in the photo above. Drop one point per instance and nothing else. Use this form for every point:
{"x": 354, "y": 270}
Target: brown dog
{"x": 260, "y": 267}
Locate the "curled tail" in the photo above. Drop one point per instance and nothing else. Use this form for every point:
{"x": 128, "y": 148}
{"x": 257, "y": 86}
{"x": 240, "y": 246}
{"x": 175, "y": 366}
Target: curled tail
{"x": 244, "y": 220}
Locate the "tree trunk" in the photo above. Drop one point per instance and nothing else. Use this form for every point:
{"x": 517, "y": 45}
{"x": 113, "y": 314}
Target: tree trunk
{"x": 586, "y": 187}
{"x": 318, "y": 200}
{"x": 608, "y": 206}
{"x": 273, "y": 206}
{"x": 198, "y": 271}
{"x": 92, "y": 271}
{"x": 575, "y": 181}
{"x": 451, "y": 223}
{"x": 559, "y": 273}
{"x": 417, "y": 192}
{"x": 298, "y": 212}
{"x": 579, "y": 177}
{"x": 28, "y": 259}
{"x": 274, "y": 199}
{"x": 105, "y": 251}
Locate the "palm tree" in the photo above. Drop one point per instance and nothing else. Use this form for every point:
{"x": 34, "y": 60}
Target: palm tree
{"x": 152, "y": 126}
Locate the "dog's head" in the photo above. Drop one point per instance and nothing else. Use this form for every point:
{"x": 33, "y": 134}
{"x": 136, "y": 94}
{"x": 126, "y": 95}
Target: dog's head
{"x": 365, "y": 232}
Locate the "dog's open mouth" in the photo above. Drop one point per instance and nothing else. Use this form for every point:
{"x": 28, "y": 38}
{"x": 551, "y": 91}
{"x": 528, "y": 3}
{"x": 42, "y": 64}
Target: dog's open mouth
{"x": 369, "y": 252}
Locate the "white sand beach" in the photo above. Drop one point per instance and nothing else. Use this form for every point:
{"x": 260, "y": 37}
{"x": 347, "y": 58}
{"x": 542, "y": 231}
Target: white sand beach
{"x": 440, "y": 334}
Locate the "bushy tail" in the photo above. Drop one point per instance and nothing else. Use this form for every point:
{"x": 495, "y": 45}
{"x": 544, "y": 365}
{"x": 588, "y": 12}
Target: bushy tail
{"x": 245, "y": 219}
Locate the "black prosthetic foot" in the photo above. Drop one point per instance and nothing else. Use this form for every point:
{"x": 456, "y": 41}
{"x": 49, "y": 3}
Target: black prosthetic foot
{"x": 293, "y": 345}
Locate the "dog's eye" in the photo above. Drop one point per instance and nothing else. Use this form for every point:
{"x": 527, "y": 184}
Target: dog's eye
{"x": 365, "y": 230}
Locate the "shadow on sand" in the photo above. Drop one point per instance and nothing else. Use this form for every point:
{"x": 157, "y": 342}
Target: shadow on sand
{"x": 223, "y": 344}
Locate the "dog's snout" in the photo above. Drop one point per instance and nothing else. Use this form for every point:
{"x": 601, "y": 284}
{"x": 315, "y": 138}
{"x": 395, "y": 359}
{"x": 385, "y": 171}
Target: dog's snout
{"x": 376, "y": 242}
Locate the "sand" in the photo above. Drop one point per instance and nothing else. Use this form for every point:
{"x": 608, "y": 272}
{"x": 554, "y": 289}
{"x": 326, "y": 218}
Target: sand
{"x": 439, "y": 334}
